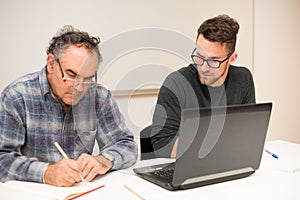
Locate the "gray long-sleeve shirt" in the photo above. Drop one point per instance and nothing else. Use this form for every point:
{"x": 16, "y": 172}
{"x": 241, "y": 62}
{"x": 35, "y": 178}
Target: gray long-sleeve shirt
{"x": 182, "y": 89}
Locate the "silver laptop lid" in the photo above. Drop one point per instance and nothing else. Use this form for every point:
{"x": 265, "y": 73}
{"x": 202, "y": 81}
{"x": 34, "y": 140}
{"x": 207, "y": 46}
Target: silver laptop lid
{"x": 220, "y": 141}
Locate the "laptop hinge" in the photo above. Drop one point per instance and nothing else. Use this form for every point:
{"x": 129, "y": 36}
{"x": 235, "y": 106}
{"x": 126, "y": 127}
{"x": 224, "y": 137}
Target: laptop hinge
{"x": 217, "y": 175}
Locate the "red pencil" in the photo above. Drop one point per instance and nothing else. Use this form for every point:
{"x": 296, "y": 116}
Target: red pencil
{"x": 83, "y": 193}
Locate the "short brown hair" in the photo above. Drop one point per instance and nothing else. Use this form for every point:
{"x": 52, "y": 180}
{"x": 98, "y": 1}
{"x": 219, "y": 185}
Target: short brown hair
{"x": 221, "y": 28}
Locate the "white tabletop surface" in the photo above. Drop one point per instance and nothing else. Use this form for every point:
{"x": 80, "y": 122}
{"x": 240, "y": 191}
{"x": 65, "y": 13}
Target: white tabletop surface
{"x": 274, "y": 180}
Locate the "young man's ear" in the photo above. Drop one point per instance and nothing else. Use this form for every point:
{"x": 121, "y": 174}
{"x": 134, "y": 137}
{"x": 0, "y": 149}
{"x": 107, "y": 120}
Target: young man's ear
{"x": 233, "y": 58}
{"x": 50, "y": 63}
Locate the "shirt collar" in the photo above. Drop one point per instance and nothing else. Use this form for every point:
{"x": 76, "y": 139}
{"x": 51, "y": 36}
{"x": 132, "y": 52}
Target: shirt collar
{"x": 45, "y": 87}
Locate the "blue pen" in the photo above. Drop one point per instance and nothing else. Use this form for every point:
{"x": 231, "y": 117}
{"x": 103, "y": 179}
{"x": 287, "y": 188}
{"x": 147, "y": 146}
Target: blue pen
{"x": 272, "y": 154}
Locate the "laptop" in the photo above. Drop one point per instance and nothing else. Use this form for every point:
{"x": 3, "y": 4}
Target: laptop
{"x": 215, "y": 145}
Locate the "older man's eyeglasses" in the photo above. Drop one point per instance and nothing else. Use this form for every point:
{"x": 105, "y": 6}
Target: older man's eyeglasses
{"x": 75, "y": 79}
{"x": 212, "y": 63}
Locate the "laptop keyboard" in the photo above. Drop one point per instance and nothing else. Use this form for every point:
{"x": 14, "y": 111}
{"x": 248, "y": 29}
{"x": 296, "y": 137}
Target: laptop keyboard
{"x": 166, "y": 173}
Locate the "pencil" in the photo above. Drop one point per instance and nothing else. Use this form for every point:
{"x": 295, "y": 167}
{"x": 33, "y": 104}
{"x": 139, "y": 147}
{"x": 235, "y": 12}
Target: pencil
{"x": 83, "y": 193}
{"x": 62, "y": 152}
{"x": 136, "y": 194}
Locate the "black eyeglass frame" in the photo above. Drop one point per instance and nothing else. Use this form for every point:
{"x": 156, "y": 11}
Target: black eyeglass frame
{"x": 209, "y": 59}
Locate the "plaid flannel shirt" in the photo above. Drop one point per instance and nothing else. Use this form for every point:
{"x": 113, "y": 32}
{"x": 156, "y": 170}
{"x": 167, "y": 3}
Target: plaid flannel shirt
{"x": 32, "y": 119}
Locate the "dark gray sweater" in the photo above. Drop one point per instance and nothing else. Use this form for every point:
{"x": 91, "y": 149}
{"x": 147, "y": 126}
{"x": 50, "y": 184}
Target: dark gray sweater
{"x": 182, "y": 89}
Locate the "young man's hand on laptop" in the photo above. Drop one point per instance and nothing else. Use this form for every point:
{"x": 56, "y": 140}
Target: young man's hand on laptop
{"x": 174, "y": 150}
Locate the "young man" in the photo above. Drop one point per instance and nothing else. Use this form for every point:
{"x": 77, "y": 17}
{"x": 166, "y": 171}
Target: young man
{"x": 63, "y": 103}
{"x": 211, "y": 81}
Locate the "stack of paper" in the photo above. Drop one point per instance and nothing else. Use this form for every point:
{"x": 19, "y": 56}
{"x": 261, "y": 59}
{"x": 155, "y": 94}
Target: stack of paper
{"x": 52, "y": 192}
{"x": 288, "y": 156}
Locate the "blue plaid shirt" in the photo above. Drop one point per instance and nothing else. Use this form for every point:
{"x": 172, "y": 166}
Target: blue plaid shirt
{"x": 32, "y": 119}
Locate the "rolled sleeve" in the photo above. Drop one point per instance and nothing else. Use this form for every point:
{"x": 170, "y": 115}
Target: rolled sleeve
{"x": 114, "y": 136}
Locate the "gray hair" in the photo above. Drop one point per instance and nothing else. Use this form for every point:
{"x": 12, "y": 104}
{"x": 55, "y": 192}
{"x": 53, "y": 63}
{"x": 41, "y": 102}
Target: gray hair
{"x": 67, "y": 36}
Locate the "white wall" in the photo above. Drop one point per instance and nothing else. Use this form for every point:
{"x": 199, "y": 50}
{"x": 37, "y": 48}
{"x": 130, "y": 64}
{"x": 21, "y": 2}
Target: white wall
{"x": 276, "y": 64}
{"x": 27, "y": 26}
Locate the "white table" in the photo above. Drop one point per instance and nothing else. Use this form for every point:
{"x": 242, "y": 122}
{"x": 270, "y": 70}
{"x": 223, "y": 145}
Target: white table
{"x": 274, "y": 180}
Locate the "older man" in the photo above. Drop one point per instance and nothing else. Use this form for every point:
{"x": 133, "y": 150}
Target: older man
{"x": 63, "y": 103}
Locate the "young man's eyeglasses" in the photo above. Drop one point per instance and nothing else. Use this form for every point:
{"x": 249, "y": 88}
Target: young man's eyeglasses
{"x": 75, "y": 80}
{"x": 212, "y": 63}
